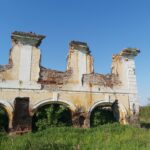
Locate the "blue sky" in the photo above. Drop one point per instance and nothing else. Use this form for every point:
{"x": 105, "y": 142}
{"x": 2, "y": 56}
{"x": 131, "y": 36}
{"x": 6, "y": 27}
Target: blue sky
{"x": 107, "y": 26}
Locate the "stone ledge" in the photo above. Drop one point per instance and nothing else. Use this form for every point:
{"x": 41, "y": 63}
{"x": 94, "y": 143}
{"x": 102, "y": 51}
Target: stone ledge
{"x": 27, "y": 38}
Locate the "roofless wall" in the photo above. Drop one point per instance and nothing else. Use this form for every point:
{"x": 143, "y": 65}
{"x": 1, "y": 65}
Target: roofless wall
{"x": 79, "y": 87}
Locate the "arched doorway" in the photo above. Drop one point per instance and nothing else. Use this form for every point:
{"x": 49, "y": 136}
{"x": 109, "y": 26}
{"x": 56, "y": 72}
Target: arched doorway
{"x": 104, "y": 113}
{"x": 51, "y": 115}
{"x": 4, "y": 120}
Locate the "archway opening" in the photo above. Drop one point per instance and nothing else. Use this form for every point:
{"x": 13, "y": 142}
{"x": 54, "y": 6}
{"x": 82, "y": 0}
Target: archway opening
{"x": 104, "y": 114}
{"x": 4, "y": 120}
{"x": 51, "y": 115}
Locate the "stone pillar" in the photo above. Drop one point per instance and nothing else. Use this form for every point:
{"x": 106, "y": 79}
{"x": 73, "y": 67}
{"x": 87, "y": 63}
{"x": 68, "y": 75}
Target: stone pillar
{"x": 22, "y": 121}
{"x": 25, "y": 56}
{"x": 123, "y": 66}
{"x": 10, "y": 123}
{"x": 87, "y": 121}
{"x": 79, "y": 61}
{"x": 80, "y": 120}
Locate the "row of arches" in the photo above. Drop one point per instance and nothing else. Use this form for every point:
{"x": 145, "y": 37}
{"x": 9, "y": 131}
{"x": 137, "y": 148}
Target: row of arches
{"x": 48, "y": 113}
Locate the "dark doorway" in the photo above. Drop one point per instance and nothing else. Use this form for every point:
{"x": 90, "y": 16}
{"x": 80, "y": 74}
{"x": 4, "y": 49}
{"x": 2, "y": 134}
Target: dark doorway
{"x": 102, "y": 115}
{"x": 81, "y": 120}
{"x": 51, "y": 115}
{"x": 22, "y": 120}
{"x": 3, "y": 119}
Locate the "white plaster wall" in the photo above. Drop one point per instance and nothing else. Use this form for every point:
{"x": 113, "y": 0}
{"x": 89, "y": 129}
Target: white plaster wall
{"x": 15, "y": 84}
{"x": 81, "y": 64}
{"x": 125, "y": 67}
{"x": 132, "y": 84}
{"x": 25, "y": 63}
{"x": 35, "y": 64}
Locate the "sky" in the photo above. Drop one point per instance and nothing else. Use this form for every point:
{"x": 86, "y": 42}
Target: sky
{"x": 108, "y": 26}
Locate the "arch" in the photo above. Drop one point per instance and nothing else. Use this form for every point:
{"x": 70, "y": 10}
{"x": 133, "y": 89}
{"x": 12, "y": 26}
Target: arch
{"x": 122, "y": 110}
{"x": 9, "y": 110}
{"x": 98, "y": 103}
{"x": 49, "y": 101}
{"x": 104, "y": 102}
{"x": 64, "y": 117}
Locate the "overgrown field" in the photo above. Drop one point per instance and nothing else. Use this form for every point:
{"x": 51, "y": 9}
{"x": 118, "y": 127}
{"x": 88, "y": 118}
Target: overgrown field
{"x": 109, "y": 136}
{"x": 145, "y": 116}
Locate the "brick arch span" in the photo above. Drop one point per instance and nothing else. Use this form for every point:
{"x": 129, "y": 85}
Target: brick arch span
{"x": 41, "y": 103}
{"x": 121, "y": 108}
{"x": 9, "y": 110}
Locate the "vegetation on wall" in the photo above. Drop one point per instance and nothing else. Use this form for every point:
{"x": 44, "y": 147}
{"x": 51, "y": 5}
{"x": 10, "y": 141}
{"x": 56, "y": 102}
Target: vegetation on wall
{"x": 52, "y": 115}
{"x": 101, "y": 115}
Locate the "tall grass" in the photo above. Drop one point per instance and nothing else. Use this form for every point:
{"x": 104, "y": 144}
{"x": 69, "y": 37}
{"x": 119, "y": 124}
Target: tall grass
{"x": 110, "y": 136}
{"x": 145, "y": 116}
{"x": 105, "y": 137}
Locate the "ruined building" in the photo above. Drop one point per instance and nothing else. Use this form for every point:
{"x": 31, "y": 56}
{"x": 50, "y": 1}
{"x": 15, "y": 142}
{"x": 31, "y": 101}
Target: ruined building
{"x": 25, "y": 85}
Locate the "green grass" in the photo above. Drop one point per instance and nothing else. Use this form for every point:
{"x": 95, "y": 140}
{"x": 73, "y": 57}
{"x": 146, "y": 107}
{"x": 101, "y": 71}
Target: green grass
{"x": 145, "y": 116}
{"x": 106, "y": 137}
{"x": 110, "y": 136}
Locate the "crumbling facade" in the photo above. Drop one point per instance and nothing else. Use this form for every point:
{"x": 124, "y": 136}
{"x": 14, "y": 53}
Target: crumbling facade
{"x": 25, "y": 85}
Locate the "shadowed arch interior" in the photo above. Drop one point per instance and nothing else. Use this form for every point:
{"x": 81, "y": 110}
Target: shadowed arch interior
{"x": 4, "y": 120}
{"x": 51, "y": 115}
{"x": 104, "y": 113}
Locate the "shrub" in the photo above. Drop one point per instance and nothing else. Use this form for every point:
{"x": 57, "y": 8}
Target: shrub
{"x": 53, "y": 115}
{"x": 145, "y": 116}
{"x": 101, "y": 116}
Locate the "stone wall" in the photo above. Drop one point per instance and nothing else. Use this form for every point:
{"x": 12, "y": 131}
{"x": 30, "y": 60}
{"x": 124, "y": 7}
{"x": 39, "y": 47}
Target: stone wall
{"x": 109, "y": 80}
{"x": 79, "y": 88}
{"x": 52, "y": 79}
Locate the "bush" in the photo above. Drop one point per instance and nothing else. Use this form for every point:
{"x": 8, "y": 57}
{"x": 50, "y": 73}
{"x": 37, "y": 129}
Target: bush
{"x": 145, "y": 116}
{"x": 102, "y": 116}
{"x": 53, "y": 115}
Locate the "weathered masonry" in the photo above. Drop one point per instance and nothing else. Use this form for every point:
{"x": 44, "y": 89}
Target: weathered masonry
{"x": 25, "y": 85}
